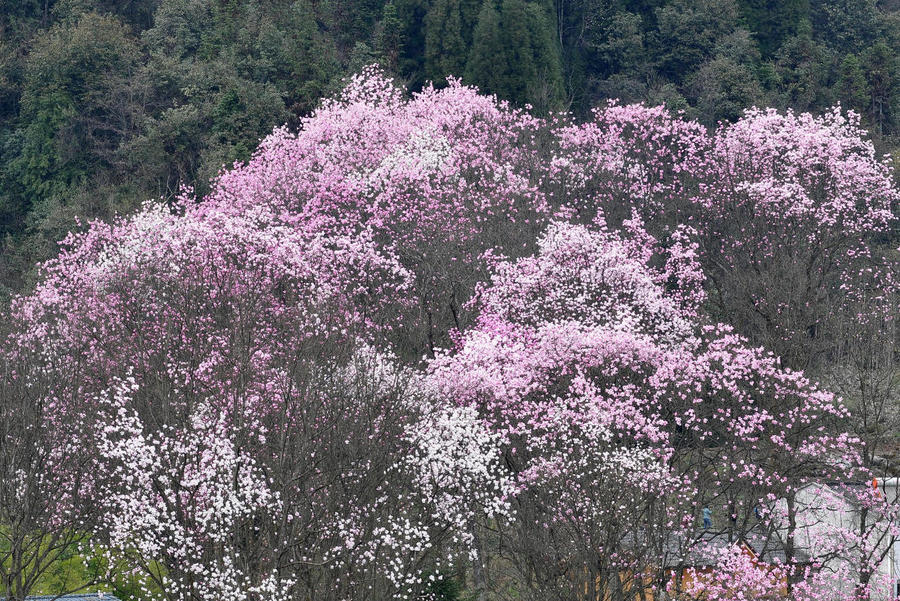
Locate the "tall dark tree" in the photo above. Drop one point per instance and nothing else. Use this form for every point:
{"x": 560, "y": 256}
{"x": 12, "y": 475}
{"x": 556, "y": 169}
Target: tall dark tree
{"x": 484, "y": 67}
{"x": 514, "y": 54}
{"x": 880, "y": 66}
{"x": 390, "y": 37}
{"x": 773, "y": 22}
{"x": 688, "y": 33}
{"x": 411, "y": 59}
{"x": 852, "y": 87}
{"x": 445, "y": 48}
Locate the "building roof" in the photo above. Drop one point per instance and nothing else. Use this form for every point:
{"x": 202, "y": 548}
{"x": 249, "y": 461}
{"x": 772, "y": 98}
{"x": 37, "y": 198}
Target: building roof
{"x": 702, "y": 549}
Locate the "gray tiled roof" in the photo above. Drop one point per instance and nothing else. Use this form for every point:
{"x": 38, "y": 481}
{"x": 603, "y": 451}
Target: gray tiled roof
{"x": 701, "y": 549}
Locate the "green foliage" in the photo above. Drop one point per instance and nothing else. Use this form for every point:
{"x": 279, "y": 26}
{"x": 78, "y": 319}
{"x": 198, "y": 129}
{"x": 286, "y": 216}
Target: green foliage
{"x": 620, "y": 43}
{"x": 71, "y": 571}
{"x": 801, "y": 73}
{"x": 688, "y": 33}
{"x": 70, "y": 121}
{"x": 773, "y": 22}
{"x": 449, "y": 29}
{"x": 851, "y": 25}
{"x": 446, "y": 588}
{"x": 852, "y": 87}
{"x": 445, "y": 48}
{"x": 514, "y": 54}
{"x": 482, "y": 68}
{"x": 75, "y": 572}
{"x": 411, "y": 59}
{"x": 880, "y": 66}
{"x": 723, "y": 87}
{"x": 390, "y": 37}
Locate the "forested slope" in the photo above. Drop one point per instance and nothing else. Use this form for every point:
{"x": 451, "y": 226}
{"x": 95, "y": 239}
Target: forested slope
{"x": 105, "y": 104}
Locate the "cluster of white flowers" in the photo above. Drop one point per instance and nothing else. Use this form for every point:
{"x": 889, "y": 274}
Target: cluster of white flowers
{"x": 456, "y": 460}
{"x": 174, "y": 495}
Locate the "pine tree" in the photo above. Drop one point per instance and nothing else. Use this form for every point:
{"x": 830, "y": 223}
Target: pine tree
{"x": 880, "y": 66}
{"x": 486, "y": 67}
{"x": 852, "y": 87}
{"x": 411, "y": 60}
{"x": 390, "y": 38}
{"x": 517, "y": 48}
{"x": 445, "y": 49}
{"x": 545, "y": 91}
{"x": 515, "y": 55}
{"x": 468, "y": 15}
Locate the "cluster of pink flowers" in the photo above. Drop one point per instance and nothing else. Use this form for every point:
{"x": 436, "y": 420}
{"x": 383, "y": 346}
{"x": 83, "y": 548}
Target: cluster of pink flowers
{"x": 425, "y": 329}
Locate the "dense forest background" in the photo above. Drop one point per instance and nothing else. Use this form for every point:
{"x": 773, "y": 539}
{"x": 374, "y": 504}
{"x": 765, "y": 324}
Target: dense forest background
{"x": 104, "y": 104}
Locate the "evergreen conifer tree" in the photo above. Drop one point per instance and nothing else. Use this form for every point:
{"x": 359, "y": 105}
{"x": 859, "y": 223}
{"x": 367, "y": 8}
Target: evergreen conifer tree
{"x": 445, "y": 49}
{"x": 485, "y": 66}
{"x": 514, "y": 54}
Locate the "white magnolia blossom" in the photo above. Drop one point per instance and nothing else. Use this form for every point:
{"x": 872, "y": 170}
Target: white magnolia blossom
{"x": 174, "y": 495}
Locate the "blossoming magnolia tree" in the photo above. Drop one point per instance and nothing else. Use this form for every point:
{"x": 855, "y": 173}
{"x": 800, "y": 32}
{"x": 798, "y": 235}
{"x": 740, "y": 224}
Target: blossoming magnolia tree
{"x": 436, "y": 180}
{"x": 621, "y": 415}
{"x": 249, "y": 441}
{"x": 788, "y": 209}
{"x": 46, "y": 507}
{"x": 792, "y": 215}
{"x": 247, "y": 379}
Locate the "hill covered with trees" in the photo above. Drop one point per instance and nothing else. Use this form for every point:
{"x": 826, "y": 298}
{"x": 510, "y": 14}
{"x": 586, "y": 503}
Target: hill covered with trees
{"x": 106, "y": 104}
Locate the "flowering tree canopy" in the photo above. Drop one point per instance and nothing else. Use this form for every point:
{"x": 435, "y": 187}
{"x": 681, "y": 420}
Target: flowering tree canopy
{"x": 621, "y": 414}
{"x": 435, "y": 335}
